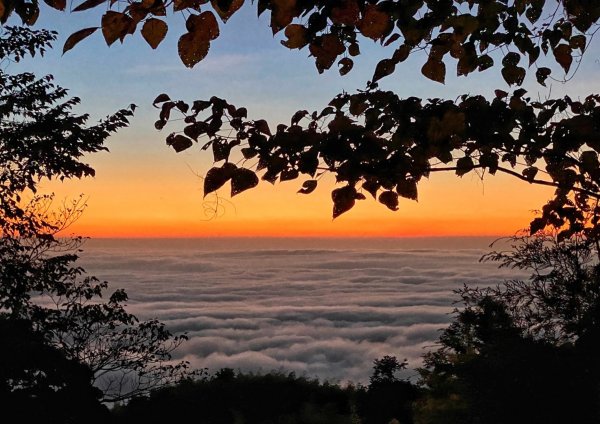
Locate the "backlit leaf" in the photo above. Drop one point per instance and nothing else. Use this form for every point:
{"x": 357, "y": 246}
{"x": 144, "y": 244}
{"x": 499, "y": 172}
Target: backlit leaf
{"x": 375, "y": 24}
{"x": 87, "y": 4}
{"x": 76, "y": 37}
{"x": 115, "y": 25}
{"x": 154, "y": 31}
{"x": 192, "y": 49}
{"x": 297, "y": 36}
{"x": 226, "y": 9}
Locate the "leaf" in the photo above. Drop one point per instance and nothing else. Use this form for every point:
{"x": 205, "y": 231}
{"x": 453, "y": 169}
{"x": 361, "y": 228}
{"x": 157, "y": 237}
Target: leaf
{"x": 55, "y": 4}
{"x": 542, "y": 74}
{"x": 578, "y": 42}
{"x": 192, "y": 49}
{"x": 204, "y": 26}
{"x": 384, "y": 68}
{"x": 161, "y": 98}
{"x": 346, "y": 14}
{"x": 76, "y": 37}
{"x": 217, "y": 177}
{"x": 154, "y": 31}
{"x": 407, "y": 189}
{"x": 563, "y": 55}
{"x": 289, "y": 174}
{"x": 375, "y": 23}
{"x": 346, "y": 65}
{"x": 530, "y": 173}
{"x": 513, "y": 75}
{"x": 262, "y": 126}
{"x": 226, "y": 9}
{"x": 371, "y": 186}
{"x": 115, "y": 25}
{"x": 179, "y": 5}
{"x": 242, "y": 180}
{"x": 308, "y": 187}
{"x": 297, "y": 36}
{"x": 282, "y": 14}
{"x": 464, "y": 165}
{"x": 389, "y": 199}
{"x": 87, "y": 4}
{"x": 536, "y": 225}
{"x": 179, "y": 142}
{"x": 434, "y": 70}
{"x": 343, "y": 200}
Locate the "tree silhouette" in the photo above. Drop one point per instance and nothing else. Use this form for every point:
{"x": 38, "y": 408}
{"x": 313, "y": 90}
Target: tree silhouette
{"x": 525, "y": 351}
{"x": 65, "y": 348}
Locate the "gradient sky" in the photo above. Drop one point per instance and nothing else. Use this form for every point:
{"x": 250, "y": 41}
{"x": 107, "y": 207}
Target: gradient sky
{"x": 144, "y": 189}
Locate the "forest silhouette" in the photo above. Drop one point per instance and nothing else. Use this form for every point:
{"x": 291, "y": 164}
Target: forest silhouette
{"x": 522, "y": 352}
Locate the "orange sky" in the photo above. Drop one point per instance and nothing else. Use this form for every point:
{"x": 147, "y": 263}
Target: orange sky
{"x": 161, "y": 196}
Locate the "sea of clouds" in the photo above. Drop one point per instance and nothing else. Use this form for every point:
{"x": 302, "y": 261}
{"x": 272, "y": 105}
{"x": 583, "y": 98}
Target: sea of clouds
{"x": 321, "y": 308}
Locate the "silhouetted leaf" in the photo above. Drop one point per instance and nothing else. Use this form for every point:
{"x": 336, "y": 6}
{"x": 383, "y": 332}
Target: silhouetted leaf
{"x": 346, "y": 65}
{"x": 536, "y": 225}
{"x": 179, "y": 142}
{"x": 530, "y": 173}
{"x": 262, "y": 126}
{"x": 88, "y": 4}
{"x": 578, "y": 42}
{"x": 383, "y": 69}
{"x": 542, "y": 74}
{"x": 242, "y": 179}
{"x": 308, "y": 187}
{"x": 217, "y": 177}
{"x": 464, "y": 165}
{"x": 55, "y": 4}
{"x": 371, "y": 186}
{"x": 160, "y": 99}
{"x": 389, "y": 199}
{"x": 76, "y": 37}
{"x": 513, "y": 75}
{"x": 434, "y": 70}
{"x": 343, "y": 200}
{"x": 347, "y": 13}
{"x": 154, "y": 31}
{"x": 563, "y": 55}
{"x": 407, "y": 189}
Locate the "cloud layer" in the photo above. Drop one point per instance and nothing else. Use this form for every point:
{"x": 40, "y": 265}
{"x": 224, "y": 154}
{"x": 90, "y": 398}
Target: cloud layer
{"x": 294, "y": 305}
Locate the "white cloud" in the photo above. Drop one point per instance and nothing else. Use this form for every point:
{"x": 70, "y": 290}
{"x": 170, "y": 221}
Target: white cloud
{"x": 319, "y": 312}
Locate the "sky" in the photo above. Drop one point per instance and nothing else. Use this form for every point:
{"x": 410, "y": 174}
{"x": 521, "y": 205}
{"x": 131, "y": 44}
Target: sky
{"x": 143, "y": 188}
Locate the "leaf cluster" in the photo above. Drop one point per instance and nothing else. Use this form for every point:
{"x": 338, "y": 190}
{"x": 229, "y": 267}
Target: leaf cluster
{"x": 378, "y": 143}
